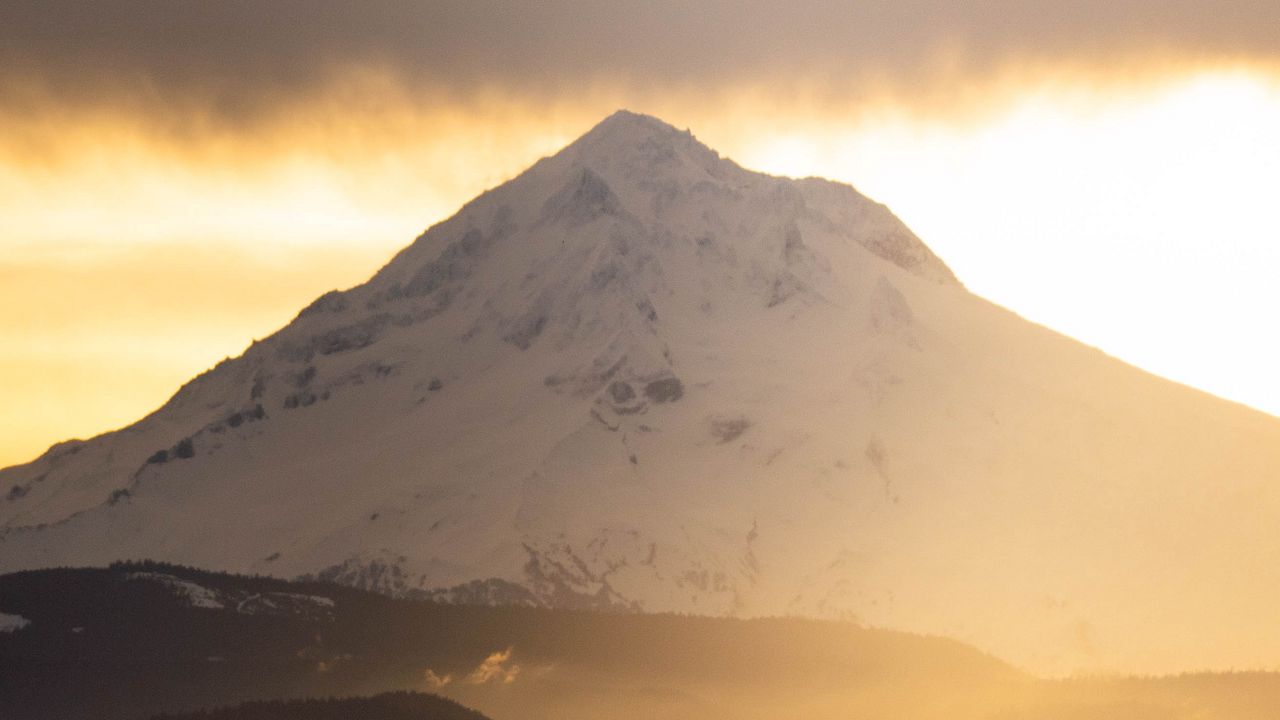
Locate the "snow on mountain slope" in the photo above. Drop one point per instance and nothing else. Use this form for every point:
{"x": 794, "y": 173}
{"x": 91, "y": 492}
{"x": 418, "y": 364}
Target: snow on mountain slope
{"x": 12, "y": 623}
{"x": 640, "y": 375}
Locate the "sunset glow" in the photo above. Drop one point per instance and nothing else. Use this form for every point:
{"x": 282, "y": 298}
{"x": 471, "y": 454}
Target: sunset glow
{"x": 666, "y": 359}
{"x": 1052, "y": 202}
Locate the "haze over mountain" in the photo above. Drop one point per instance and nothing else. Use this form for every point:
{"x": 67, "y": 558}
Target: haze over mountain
{"x": 639, "y": 375}
{"x": 137, "y": 639}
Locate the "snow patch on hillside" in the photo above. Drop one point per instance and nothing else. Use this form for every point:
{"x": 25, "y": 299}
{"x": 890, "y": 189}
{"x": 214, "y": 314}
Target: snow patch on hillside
{"x": 193, "y": 594}
{"x": 245, "y": 603}
{"x": 12, "y": 623}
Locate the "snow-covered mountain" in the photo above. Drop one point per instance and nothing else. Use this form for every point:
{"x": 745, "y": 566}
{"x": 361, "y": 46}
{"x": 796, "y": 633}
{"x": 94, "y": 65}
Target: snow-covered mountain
{"x": 640, "y": 375}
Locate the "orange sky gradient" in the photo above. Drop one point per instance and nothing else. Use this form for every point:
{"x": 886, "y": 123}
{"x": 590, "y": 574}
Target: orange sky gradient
{"x": 1125, "y": 198}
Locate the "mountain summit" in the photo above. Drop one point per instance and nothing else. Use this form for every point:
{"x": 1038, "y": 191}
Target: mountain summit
{"x": 640, "y": 376}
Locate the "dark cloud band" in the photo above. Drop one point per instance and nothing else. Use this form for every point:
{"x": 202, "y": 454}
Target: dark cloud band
{"x": 240, "y": 58}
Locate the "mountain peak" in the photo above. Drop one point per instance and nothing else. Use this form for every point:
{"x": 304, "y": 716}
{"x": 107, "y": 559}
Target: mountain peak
{"x": 652, "y": 167}
{"x": 639, "y": 375}
{"x": 633, "y": 127}
{"x": 629, "y": 121}
{"x": 632, "y": 138}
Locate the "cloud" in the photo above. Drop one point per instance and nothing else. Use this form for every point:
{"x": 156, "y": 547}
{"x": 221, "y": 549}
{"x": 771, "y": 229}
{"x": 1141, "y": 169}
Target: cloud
{"x": 237, "y": 63}
{"x": 496, "y": 668}
{"x": 434, "y": 681}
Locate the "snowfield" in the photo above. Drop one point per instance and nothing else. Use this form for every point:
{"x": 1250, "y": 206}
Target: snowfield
{"x": 640, "y": 376}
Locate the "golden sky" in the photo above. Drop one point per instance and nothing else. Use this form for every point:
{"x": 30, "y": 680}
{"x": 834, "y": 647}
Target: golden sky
{"x": 177, "y": 179}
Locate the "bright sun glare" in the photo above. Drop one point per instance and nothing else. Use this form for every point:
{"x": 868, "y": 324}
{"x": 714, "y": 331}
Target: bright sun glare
{"x": 1142, "y": 224}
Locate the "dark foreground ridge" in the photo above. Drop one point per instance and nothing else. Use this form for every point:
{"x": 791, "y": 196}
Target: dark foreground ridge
{"x": 139, "y": 639}
{"x": 387, "y": 706}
